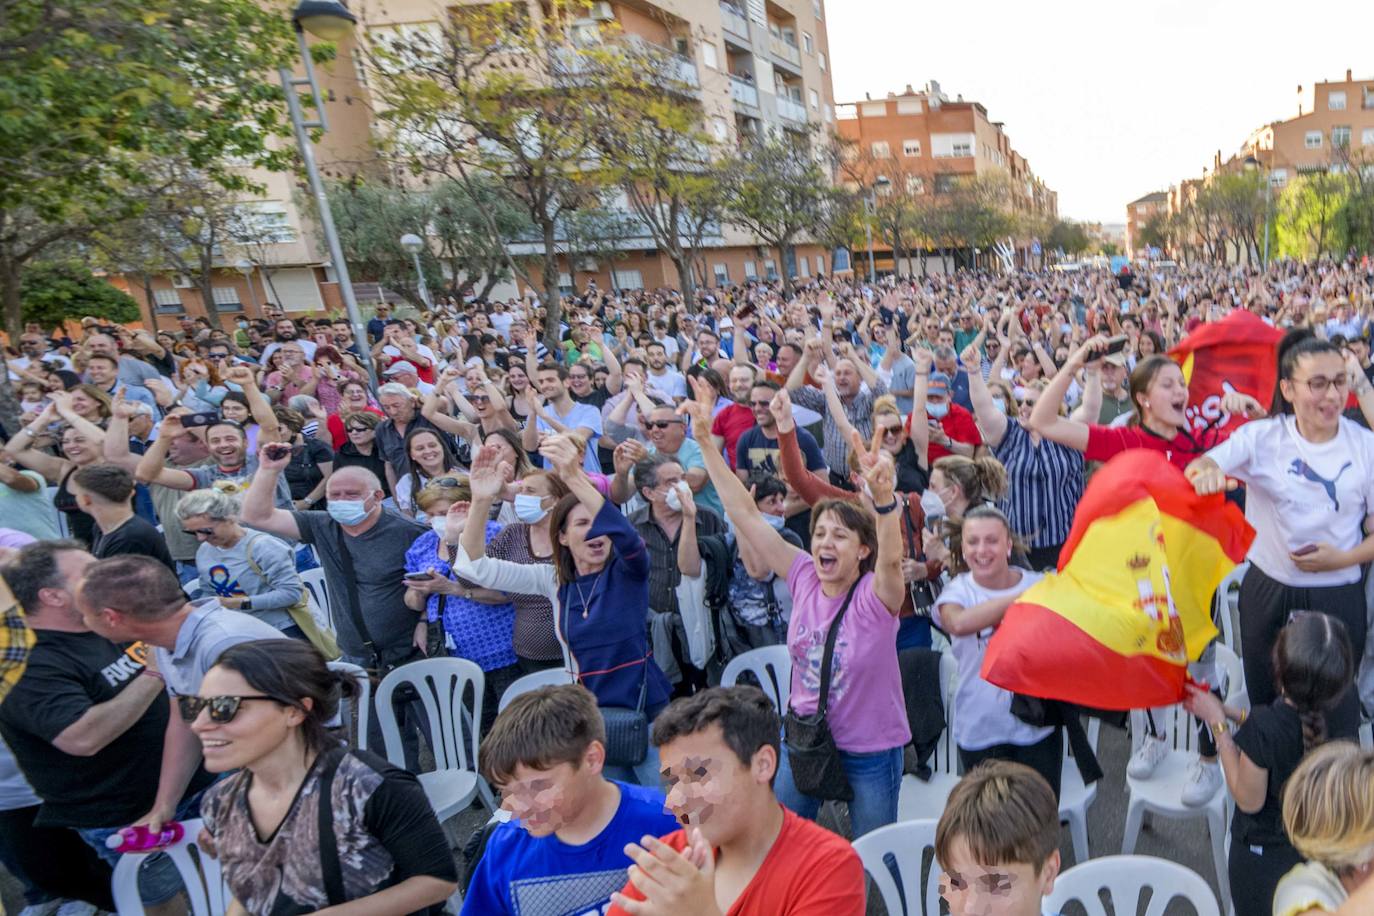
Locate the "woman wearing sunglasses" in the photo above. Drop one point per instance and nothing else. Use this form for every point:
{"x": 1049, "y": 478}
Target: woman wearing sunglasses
{"x": 361, "y": 449}
{"x": 262, "y": 711}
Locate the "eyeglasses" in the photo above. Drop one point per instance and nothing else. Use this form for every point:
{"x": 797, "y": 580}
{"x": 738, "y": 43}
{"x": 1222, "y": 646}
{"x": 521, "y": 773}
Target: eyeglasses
{"x": 222, "y": 709}
{"x": 359, "y": 429}
{"x": 219, "y": 355}
{"x": 446, "y": 482}
{"x": 479, "y": 398}
{"x": 1318, "y": 384}
{"x": 661, "y": 424}
{"x": 577, "y": 378}
{"x": 202, "y": 532}
{"x": 761, "y": 403}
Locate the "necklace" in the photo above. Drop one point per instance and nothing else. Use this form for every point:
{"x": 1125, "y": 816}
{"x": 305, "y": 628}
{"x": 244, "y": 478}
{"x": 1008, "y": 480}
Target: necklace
{"x": 586, "y": 607}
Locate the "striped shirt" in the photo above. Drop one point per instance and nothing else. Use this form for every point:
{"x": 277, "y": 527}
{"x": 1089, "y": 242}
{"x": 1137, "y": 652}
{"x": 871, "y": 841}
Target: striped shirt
{"x": 859, "y": 410}
{"x": 1045, "y": 484}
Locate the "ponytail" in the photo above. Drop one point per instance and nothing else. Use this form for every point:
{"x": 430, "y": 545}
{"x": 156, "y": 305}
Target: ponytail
{"x": 1313, "y": 667}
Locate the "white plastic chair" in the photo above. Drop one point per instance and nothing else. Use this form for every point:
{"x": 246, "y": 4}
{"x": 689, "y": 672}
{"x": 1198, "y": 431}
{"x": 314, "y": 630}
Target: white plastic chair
{"x": 441, "y": 684}
{"x": 200, "y": 873}
{"x": 552, "y": 677}
{"x": 1237, "y": 693}
{"x": 917, "y": 800}
{"x": 362, "y": 700}
{"x": 1226, "y": 607}
{"x": 771, "y": 666}
{"x": 1124, "y": 878}
{"x": 318, "y": 588}
{"x": 1075, "y": 798}
{"x": 901, "y": 848}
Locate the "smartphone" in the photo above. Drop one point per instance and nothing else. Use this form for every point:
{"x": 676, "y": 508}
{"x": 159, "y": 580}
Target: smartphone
{"x": 419, "y": 576}
{"x": 192, "y": 420}
{"x": 279, "y": 450}
{"x": 1305, "y": 550}
{"x": 1115, "y": 344}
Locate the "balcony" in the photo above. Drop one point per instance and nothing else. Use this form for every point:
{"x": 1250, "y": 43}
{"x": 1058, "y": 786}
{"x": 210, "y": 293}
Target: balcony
{"x": 746, "y": 94}
{"x": 783, "y": 51}
{"x": 733, "y": 20}
{"x": 791, "y": 110}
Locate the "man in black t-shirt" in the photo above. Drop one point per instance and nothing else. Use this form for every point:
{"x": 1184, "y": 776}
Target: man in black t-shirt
{"x": 86, "y": 721}
{"x": 103, "y": 491}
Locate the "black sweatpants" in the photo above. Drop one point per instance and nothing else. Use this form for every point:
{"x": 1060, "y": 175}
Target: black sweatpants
{"x": 1264, "y": 608}
{"x": 1046, "y": 757}
{"x": 52, "y": 861}
{"x": 1255, "y": 875}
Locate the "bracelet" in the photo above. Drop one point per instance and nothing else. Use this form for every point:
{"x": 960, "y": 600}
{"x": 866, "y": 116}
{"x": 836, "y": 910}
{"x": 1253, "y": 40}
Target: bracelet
{"x": 148, "y": 672}
{"x": 885, "y": 510}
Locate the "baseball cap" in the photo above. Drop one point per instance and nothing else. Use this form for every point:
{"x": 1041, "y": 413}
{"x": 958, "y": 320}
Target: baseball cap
{"x": 939, "y": 385}
{"x": 401, "y": 366}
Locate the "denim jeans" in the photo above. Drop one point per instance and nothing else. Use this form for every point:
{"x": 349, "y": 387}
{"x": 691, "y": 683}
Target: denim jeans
{"x": 875, "y": 777}
{"x": 158, "y": 878}
{"x": 645, "y": 773}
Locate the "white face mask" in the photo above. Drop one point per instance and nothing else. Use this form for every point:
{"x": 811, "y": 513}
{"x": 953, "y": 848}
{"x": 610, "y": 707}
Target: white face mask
{"x": 673, "y": 498}
{"x": 440, "y": 524}
{"x": 777, "y": 521}
{"x": 530, "y": 508}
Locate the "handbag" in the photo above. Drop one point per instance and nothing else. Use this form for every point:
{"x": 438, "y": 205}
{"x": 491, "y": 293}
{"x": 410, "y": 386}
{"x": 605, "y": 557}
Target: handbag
{"x": 923, "y": 591}
{"x": 811, "y": 751}
{"x": 627, "y": 730}
{"x": 322, "y": 638}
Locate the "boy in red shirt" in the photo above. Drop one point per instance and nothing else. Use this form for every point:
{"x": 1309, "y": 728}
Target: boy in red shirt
{"x": 740, "y": 852}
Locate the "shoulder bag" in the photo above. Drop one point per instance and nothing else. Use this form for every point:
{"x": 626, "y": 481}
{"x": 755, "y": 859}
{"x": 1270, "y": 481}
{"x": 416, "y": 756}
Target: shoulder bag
{"x": 322, "y": 638}
{"x": 811, "y": 751}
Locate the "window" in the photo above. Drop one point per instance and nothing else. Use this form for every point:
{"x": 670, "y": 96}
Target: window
{"x": 915, "y": 184}
{"x": 751, "y": 272}
{"x": 816, "y": 8}
{"x": 565, "y": 284}
{"x": 1278, "y": 178}
{"x": 911, "y": 147}
{"x": 1340, "y": 136}
{"x": 947, "y": 146}
{"x": 880, "y": 150}
{"x": 708, "y": 56}
{"x": 226, "y": 298}
{"x": 1340, "y": 168}
{"x": 1368, "y": 97}
{"x": 882, "y": 186}
{"x": 820, "y": 265}
{"x": 1367, "y": 137}
{"x": 720, "y": 128}
{"x": 944, "y": 184}
{"x": 628, "y": 279}
{"x": 909, "y": 106}
{"x": 722, "y": 272}
{"x": 815, "y": 98}
{"x": 804, "y": 266}
{"x": 1335, "y": 101}
{"x": 167, "y": 300}
{"x": 1312, "y": 139}
{"x": 770, "y": 269}
{"x": 873, "y": 109}
{"x": 820, "y": 61}
{"x": 808, "y": 45}
{"x": 828, "y": 112}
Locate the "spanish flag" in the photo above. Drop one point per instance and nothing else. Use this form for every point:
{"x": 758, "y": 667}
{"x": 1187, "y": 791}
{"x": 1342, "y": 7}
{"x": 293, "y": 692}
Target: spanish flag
{"x": 1237, "y": 353}
{"x": 1131, "y": 602}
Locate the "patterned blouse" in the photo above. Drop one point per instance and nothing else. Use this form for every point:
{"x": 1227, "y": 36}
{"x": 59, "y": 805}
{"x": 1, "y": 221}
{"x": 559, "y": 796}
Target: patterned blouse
{"x": 535, "y": 638}
{"x": 480, "y": 632}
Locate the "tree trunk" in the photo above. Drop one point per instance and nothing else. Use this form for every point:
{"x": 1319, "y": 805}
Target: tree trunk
{"x": 152, "y": 303}
{"x": 14, "y": 303}
{"x": 267, "y": 278}
{"x": 686, "y": 283}
{"x": 782, "y": 268}
{"x": 553, "y": 304}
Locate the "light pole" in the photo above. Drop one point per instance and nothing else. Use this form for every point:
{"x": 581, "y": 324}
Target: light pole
{"x": 329, "y": 20}
{"x": 870, "y": 211}
{"x": 245, "y": 267}
{"x": 1253, "y": 163}
{"x": 413, "y": 244}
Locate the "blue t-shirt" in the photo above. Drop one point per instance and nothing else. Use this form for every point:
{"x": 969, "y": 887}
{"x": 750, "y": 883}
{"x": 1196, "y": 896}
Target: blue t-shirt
{"x": 523, "y": 875}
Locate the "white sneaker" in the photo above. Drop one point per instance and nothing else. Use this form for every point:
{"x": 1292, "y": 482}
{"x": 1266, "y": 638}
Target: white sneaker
{"x": 1203, "y": 782}
{"x": 1147, "y": 757}
{"x": 40, "y": 909}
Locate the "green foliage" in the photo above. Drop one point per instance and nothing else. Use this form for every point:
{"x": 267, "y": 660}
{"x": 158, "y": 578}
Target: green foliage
{"x": 1310, "y": 216}
{"x": 370, "y": 220}
{"x": 1069, "y": 236}
{"x": 66, "y": 291}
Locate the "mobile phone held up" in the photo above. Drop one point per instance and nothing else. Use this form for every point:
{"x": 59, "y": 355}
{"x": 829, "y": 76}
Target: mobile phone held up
{"x": 1115, "y": 344}
{"x": 192, "y": 420}
{"x": 279, "y": 450}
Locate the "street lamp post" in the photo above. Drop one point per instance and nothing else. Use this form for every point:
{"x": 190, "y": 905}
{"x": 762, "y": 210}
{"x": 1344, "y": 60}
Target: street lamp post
{"x": 870, "y": 211}
{"x": 414, "y": 244}
{"x": 245, "y": 267}
{"x": 329, "y": 20}
{"x": 1252, "y": 162}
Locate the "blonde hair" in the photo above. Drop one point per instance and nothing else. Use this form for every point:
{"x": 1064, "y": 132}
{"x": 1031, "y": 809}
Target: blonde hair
{"x": 981, "y": 479}
{"x": 433, "y": 492}
{"x": 1328, "y": 806}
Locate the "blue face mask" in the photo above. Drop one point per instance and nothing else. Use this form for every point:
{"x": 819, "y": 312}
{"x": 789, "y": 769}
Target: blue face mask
{"x": 530, "y": 508}
{"x": 777, "y": 521}
{"x": 937, "y": 411}
{"x": 1000, "y": 404}
{"x": 348, "y": 511}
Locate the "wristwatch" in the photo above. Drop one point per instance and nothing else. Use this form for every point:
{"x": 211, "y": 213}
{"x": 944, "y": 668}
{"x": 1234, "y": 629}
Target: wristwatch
{"x": 1220, "y": 728}
{"x": 246, "y": 604}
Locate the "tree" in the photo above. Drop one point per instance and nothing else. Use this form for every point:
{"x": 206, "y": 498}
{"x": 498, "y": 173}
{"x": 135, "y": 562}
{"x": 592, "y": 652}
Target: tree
{"x": 459, "y": 216}
{"x": 779, "y": 192}
{"x": 90, "y": 92}
{"x": 1154, "y": 232}
{"x": 370, "y": 219}
{"x": 57, "y": 292}
{"x": 1068, "y": 236}
{"x": 1309, "y": 220}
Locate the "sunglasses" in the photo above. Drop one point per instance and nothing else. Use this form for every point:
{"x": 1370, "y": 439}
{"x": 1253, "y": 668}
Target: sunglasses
{"x": 892, "y": 430}
{"x": 222, "y": 709}
{"x": 479, "y": 398}
{"x": 204, "y": 532}
{"x": 358, "y": 429}
{"x": 445, "y": 482}
{"x": 661, "y": 424}
{"x": 219, "y": 355}
{"x": 761, "y": 403}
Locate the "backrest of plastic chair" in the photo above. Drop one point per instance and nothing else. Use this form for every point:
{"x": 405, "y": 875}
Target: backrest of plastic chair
{"x": 362, "y": 701}
{"x": 895, "y": 858}
{"x": 551, "y": 677}
{"x": 946, "y": 759}
{"x": 1228, "y": 661}
{"x": 200, "y": 874}
{"x": 442, "y": 684}
{"x": 1124, "y": 877}
{"x": 771, "y": 666}
{"x": 1093, "y": 726}
{"x": 1224, "y": 604}
{"x": 318, "y": 589}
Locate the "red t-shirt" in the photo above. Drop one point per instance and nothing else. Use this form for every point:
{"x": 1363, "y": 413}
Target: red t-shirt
{"x": 1106, "y": 442}
{"x": 960, "y": 426}
{"x": 732, "y": 422}
{"x": 338, "y": 434}
{"x": 808, "y": 872}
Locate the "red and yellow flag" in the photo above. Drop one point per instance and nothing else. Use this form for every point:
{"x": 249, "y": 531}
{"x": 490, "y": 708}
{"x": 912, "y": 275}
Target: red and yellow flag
{"x": 1237, "y": 353}
{"x": 1131, "y": 602}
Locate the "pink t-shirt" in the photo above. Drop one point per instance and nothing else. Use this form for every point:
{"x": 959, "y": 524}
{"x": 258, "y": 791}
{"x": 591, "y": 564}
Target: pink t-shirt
{"x": 866, "y": 711}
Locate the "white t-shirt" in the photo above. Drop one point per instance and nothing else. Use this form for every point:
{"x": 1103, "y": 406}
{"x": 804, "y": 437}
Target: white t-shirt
{"x": 309, "y": 346}
{"x": 1300, "y": 492}
{"x": 982, "y": 711}
{"x": 670, "y": 383}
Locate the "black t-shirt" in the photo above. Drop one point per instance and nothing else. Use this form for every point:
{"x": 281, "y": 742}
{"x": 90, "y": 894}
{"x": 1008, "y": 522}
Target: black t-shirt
{"x": 597, "y": 397}
{"x": 303, "y": 474}
{"x": 67, "y": 674}
{"x": 135, "y": 536}
{"x": 1272, "y": 738}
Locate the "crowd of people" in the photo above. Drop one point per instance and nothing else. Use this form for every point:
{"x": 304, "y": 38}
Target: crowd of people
{"x": 866, "y": 475}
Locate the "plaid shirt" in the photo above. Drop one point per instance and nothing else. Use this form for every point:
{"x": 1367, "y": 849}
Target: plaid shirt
{"x": 16, "y": 641}
{"x": 859, "y": 410}
{"x": 663, "y": 572}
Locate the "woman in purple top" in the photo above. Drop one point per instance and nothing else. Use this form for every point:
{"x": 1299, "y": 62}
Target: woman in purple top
{"x": 849, "y": 552}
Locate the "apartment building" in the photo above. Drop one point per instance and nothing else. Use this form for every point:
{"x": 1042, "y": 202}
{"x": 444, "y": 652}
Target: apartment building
{"x": 756, "y": 65}
{"x": 1138, "y": 213}
{"x": 1332, "y": 131}
{"x": 923, "y": 142}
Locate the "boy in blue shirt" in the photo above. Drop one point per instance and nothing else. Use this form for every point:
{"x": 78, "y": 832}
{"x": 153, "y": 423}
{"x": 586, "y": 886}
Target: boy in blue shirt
{"x": 563, "y": 854}
{"x": 997, "y": 842}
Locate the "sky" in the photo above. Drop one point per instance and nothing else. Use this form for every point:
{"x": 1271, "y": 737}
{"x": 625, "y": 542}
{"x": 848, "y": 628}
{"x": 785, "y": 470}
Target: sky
{"x": 1108, "y": 101}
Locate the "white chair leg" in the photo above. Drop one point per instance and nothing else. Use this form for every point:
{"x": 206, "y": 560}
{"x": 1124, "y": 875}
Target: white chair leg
{"x": 1078, "y": 829}
{"x": 1216, "y": 826}
{"x": 1133, "y": 818}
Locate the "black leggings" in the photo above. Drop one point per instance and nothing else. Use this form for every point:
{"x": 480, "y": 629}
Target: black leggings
{"x": 1046, "y": 757}
{"x": 1264, "y": 608}
{"x": 52, "y": 861}
{"x": 1254, "y": 877}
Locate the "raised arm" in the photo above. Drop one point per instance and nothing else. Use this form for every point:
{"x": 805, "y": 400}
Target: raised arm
{"x": 624, "y": 458}
{"x": 116, "y": 447}
{"x": 992, "y": 423}
{"x": 152, "y": 464}
{"x": 1045, "y": 418}
{"x": 958, "y": 620}
{"x": 614, "y": 376}
{"x": 1090, "y": 407}
{"x": 880, "y": 474}
{"x": 688, "y": 550}
{"x": 20, "y": 447}
{"x": 62, "y": 400}
{"x": 431, "y": 411}
{"x": 259, "y": 502}
{"x": 258, "y": 405}
{"x": 739, "y": 505}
